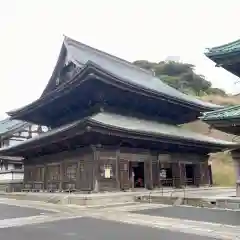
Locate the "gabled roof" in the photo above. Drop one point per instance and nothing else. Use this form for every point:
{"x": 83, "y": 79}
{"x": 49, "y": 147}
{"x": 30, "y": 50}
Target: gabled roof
{"x": 228, "y": 48}
{"x": 80, "y": 54}
{"x": 10, "y": 126}
{"x": 128, "y": 73}
{"x": 223, "y": 114}
{"x": 130, "y": 126}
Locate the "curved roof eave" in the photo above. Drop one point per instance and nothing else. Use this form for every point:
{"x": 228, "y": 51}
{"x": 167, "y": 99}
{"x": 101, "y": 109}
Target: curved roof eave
{"x": 129, "y": 125}
{"x": 117, "y": 81}
{"x": 82, "y": 53}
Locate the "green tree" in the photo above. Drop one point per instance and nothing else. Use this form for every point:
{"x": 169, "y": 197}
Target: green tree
{"x": 181, "y": 76}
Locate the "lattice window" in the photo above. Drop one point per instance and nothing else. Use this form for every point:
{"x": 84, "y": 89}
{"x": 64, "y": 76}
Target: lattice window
{"x": 71, "y": 172}
{"x": 29, "y": 174}
{"x": 54, "y": 173}
{"x": 81, "y": 167}
{"x": 39, "y": 174}
{"x": 106, "y": 171}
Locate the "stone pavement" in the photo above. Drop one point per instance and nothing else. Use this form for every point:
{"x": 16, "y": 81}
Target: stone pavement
{"x": 119, "y": 214}
{"x": 95, "y": 199}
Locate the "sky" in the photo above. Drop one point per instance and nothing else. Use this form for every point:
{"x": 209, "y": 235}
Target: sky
{"x": 31, "y": 34}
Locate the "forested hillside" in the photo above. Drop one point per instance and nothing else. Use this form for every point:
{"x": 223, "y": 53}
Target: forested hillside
{"x": 182, "y": 77}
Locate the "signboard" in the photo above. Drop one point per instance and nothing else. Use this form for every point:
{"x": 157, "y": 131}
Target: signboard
{"x": 163, "y": 173}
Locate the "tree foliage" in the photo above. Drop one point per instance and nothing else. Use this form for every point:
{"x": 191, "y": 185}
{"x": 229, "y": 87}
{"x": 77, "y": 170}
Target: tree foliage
{"x": 181, "y": 76}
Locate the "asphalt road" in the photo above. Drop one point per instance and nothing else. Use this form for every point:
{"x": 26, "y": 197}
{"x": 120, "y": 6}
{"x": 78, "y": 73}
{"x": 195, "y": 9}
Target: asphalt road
{"x": 8, "y": 211}
{"x": 196, "y": 214}
{"x": 91, "y": 229}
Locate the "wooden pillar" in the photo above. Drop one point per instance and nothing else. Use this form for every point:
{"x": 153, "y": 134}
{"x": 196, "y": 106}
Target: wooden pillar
{"x": 117, "y": 169}
{"x": 95, "y": 179}
{"x": 182, "y": 168}
{"x": 176, "y": 175}
{"x": 62, "y": 173}
{"x": 45, "y": 177}
{"x": 155, "y": 172}
{"x": 148, "y": 173}
{"x": 236, "y": 159}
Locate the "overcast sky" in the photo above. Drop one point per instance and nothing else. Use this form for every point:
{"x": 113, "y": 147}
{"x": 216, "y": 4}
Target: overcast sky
{"x": 31, "y": 34}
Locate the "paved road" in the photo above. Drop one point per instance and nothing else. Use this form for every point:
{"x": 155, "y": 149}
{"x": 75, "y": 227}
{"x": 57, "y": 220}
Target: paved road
{"x": 196, "y": 214}
{"x": 74, "y": 222}
{"x": 7, "y": 212}
{"x": 92, "y": 229}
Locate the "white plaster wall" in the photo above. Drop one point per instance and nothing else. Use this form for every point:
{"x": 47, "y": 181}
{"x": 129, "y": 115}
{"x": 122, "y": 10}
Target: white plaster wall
{"x": 10, "y": 167}
{"x": 11, "y": 176}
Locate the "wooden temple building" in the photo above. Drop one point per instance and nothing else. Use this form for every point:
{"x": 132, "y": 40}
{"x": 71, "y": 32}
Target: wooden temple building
{"x": 114, "y": 126}
{"x": 11, "y": 168}
{"x": 227, "y": 119}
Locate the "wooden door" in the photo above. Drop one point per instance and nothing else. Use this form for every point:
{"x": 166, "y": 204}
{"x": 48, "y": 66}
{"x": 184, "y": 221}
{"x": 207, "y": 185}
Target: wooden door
{"x": 86, "y": 175}
{"x": 124, "y": 174}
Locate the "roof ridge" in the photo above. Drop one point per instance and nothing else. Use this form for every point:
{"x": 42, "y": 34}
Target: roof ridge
{"x": 100, "y": 52}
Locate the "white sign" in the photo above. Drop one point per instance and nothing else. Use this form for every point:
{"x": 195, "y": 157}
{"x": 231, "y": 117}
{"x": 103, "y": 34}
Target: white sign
{"x": 163, "y": 173}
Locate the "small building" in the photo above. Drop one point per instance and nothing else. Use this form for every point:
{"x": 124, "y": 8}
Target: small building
{"x": 227, "y": 119}
{"x": 13, "y": 132}
{"x": 114, "y": 126}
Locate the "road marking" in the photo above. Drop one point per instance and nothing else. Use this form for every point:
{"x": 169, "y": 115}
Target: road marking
{"x": 121, "y": 214}
{"x": 17, "y": 222}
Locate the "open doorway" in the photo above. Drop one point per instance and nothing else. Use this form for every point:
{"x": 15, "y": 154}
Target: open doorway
{"x": 138, "y": 174}
{"x": 189, "y": 174}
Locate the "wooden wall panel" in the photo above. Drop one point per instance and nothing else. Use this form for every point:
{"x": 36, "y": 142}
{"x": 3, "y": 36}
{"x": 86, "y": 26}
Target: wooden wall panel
{"x": 86, "y": 165}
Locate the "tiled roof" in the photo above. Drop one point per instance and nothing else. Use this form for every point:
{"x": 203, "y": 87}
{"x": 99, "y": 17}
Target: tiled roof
{"x": 81, "y": 54}
{"x": 127, "y": 124}
{"x": 10, "y": 126}
{"x": 128, "y": 73}
{"x": 132, "y": 124}
{"x": 224, "y": 49}
{"x": 225, "y": 113}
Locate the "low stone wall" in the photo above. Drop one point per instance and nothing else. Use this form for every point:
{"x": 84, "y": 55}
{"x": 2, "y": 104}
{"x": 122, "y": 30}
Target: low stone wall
{"x": 197, "y": 202}
{"x": 229, "y": 203}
